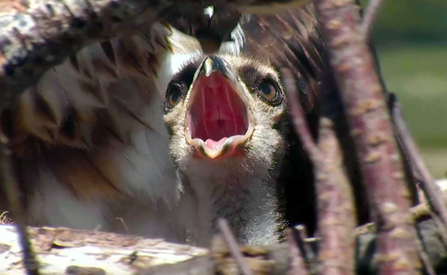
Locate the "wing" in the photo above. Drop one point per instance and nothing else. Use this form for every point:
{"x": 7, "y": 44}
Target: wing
{"x": 91, "y": 123}
{"x": 64, "y": 107}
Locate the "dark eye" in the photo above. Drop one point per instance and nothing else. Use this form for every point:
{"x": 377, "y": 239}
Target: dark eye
{"x": 269, "y": 90}
{"x": 174, "y": 94}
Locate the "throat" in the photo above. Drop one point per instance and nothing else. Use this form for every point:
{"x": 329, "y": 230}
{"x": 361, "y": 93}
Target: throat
{"x": 248, "y": 203}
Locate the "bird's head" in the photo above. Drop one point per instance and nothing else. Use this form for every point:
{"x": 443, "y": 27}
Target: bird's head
{"x": 223, "y": 109}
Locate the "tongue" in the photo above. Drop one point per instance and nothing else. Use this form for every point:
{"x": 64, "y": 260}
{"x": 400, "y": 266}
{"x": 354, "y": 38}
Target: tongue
{"x": 215, "y": 144}
{"x": 217, "y": 111}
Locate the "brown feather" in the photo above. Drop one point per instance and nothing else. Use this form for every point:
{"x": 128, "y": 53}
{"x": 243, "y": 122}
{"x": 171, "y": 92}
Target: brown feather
{"x": 77, "y": 119}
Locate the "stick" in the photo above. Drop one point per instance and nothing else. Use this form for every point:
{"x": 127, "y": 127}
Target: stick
{"x": 233, "y": 246}
{"x": 9, "y": 184}
{"x": 369, "y": 17}
{"x": 334, "y": 194}
{"x": 431, "y": 189}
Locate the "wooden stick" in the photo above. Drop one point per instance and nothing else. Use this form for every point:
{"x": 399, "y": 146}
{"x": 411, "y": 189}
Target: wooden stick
{"x": 334, "y": 194}
{"x": 9, "y": 184}
{"x": 233, "y": 246}
{"x": 431, "y": 190}
{"x": 369, "y": 17}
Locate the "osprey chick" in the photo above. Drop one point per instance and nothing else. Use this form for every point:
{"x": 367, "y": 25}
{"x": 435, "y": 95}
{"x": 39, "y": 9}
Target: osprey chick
{"x": 225, "y": 116}
{"x": 92, "y": 149}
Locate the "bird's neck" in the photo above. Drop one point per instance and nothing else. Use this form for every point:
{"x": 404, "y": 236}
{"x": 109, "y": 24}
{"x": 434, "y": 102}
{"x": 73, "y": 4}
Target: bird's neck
{"x": 247, "y": 201}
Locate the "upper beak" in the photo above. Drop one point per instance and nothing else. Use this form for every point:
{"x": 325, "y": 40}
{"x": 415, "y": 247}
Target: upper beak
{"x": 213, "y": 64}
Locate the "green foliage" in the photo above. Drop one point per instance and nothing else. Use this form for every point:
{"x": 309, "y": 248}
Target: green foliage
{"x": 411, "y": 38}
{"x": 417, "y": 73}
{"x": 412, "y": 20}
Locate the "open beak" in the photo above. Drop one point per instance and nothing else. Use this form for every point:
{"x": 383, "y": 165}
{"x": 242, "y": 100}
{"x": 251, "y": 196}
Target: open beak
{"x": 218, "y": 120}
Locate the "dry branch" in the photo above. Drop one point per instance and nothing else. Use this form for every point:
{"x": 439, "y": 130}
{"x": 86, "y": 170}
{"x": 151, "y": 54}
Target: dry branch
{"x": 431, "y": 189}
{"x": 62, "y": 249}
{"x": 335, "y": 204}
{"x": 362, "y": 96}
{"x": 370, "y": 16}
{"x": 296, "y": 259}
{"x": 8, "y": 182}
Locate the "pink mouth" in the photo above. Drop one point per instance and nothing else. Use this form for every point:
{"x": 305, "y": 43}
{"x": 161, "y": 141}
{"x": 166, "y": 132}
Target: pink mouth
{"x": 218, "y": 118}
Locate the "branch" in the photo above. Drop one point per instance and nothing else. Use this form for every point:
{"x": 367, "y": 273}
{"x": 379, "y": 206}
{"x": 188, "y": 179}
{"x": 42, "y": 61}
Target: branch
{"x": 371, "y": 130}
{"x": 370, "y": 16}
{"x": 233, "y": 246}
{"x": 8, "y": 184}
{"x": 335, "y": 204}
{"x": 432, "y": 191}
{"x": 60, "y": 250}
{"x": 296, "y": 259}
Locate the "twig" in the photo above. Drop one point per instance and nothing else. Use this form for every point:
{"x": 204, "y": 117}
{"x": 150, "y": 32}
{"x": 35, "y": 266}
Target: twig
{"x": 9, "y": 184}
{"x": 431, "y": 190}
{"x": 297, "y": 266}
{"x": 124, "y": 224}
{"x": 419, "y": 212}
{"x": 334, "y": 194}
{"x": 298, "y": 117}
{"x": 307, "y": 251}
{"x": 233, "y": 246}
{"x": 362, "y": 97}
{"x": 335, "y": 206}
{"x": 4, "y": 218}
{"x": 369, "y": 17}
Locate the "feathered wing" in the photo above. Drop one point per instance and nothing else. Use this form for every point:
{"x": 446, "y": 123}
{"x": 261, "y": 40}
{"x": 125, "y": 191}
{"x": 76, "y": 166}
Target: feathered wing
{"x": 63, "y": 107}
{"x": 90, "y": 132}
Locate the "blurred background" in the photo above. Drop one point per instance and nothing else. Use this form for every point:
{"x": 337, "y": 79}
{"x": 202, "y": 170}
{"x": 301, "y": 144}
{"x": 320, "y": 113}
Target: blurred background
{"x": 411, "y": 39}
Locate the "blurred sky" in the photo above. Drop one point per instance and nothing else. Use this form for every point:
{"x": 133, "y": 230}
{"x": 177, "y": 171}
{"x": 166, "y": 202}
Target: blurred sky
{"x": 411, "y": 38}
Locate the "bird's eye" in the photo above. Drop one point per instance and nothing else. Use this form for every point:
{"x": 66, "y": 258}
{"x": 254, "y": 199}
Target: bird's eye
{"x": 174, "y": 94}
{"x": 269, "y": 90}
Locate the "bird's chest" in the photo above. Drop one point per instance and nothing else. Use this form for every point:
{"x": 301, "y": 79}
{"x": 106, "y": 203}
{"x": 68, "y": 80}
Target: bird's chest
{"x": 246, "y": 202}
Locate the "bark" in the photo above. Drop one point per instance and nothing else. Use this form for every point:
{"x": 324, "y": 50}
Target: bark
{"x": 381, "y": 166}
{"x": 336, "y": 211}
{"x": 60, "y": 250}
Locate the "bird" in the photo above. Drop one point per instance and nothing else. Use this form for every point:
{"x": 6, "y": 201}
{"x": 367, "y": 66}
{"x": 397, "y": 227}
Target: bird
{"x": 149, "y": 135}
{"x": 226, "y": 120}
